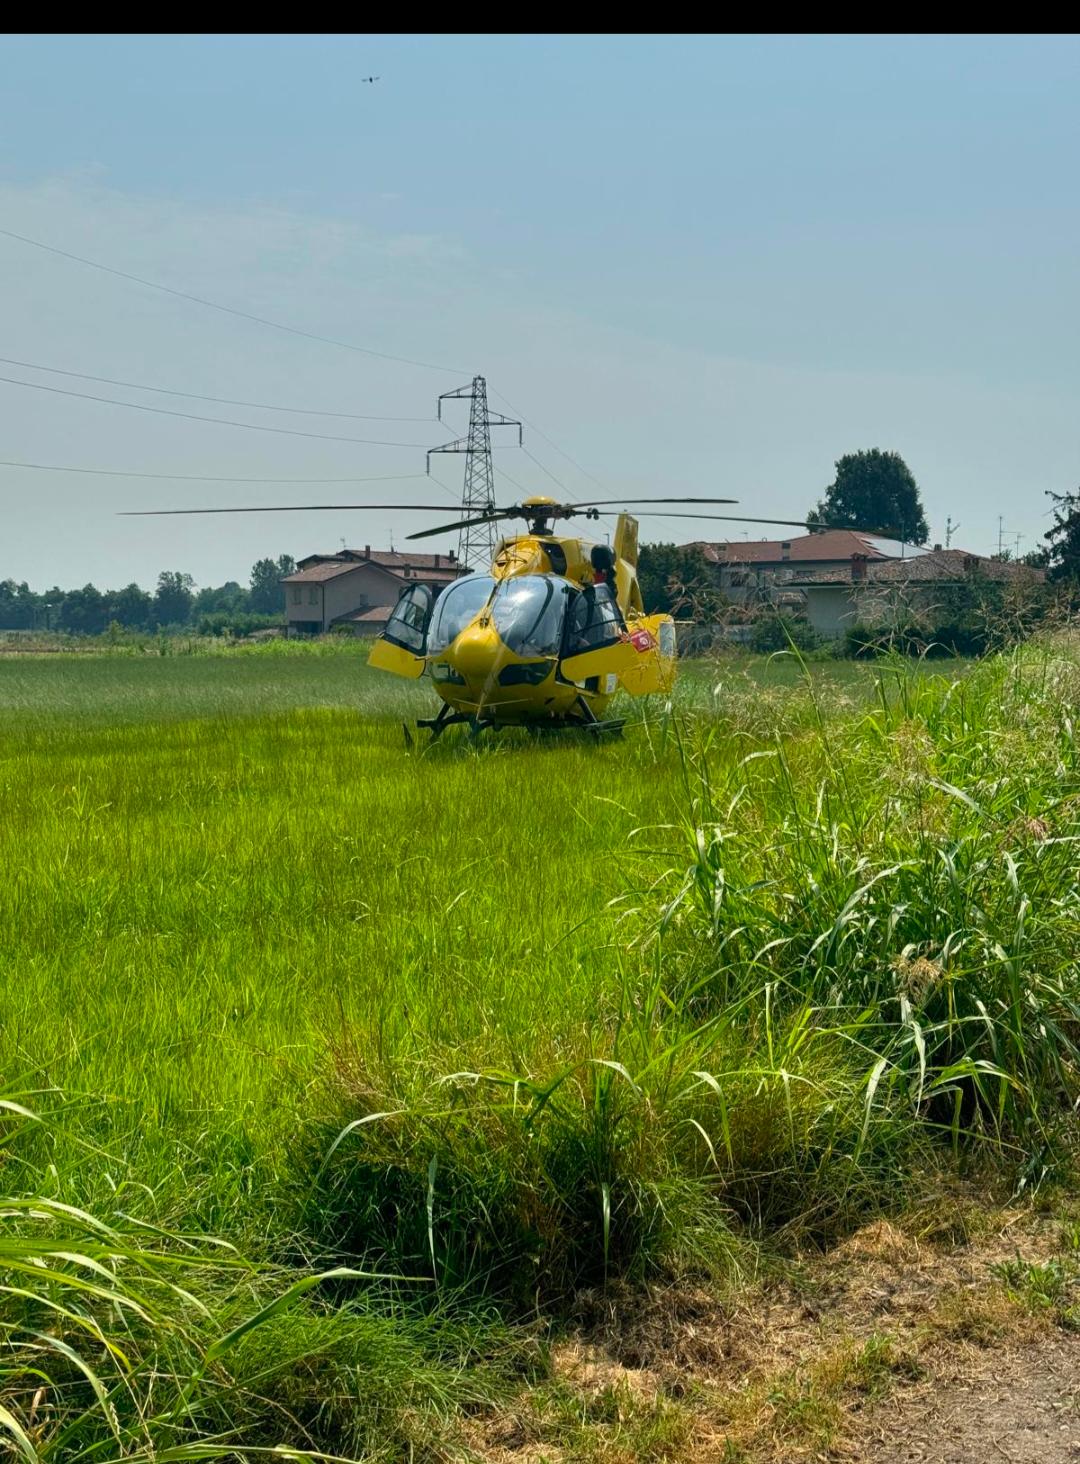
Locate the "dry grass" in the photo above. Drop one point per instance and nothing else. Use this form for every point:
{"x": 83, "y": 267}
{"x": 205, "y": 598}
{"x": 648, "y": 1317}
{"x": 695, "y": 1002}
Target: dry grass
{"x": 796, "y": 1367}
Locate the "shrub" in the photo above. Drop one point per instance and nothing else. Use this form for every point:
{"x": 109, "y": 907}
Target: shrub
{"x": 778, "y": 631}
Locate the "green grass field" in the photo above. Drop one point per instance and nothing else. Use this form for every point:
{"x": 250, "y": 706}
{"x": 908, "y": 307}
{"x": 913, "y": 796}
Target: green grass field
{"x": 284, "y": 996}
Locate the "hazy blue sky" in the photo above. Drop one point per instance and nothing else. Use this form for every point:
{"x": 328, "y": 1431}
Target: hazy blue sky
{"x": 697, "y": 264}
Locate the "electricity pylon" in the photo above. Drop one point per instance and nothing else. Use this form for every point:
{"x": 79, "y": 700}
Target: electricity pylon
{"x": 476, "y": 543}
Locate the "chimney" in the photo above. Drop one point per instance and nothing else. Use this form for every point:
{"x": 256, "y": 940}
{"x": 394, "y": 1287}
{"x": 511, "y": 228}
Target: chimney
{"x": 436, "y": 561}
{"x": 453, "y": 556}
{"x": 785, "y": 550}
{"x": 858, "y": 568}
{"x": 937, "y": 548}
{"x": 367, "y": 551}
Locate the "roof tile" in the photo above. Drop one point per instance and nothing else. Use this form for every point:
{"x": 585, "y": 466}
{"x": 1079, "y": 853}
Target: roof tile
{"x": 803, "y": 548}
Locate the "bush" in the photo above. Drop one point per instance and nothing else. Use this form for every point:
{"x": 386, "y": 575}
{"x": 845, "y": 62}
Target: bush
{"x": 934, "y": 641}
{"x": 236, "y": 623}
{"x": 780, "y": 631}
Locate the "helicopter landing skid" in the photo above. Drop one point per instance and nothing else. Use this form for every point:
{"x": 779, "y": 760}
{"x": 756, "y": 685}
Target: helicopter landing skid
{"x": 446, "y": 718}
{"x": 586, "y": 722}
{"x": 591, "y": 724}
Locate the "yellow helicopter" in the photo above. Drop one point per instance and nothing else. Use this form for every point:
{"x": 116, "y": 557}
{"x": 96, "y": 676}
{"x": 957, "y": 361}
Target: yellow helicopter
{"x": 550, "y": 635}
{"x": 547, "y": 637}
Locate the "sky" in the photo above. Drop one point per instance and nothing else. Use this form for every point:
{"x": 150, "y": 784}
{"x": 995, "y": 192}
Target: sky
{"x": 699, "y": 265}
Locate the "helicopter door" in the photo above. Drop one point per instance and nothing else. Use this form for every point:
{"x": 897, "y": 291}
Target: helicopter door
{"x": 595, "y": 641}
{"x": 611, "y": 660}
{"x": 400, "y": 648}
{"x": 653, "y": 637}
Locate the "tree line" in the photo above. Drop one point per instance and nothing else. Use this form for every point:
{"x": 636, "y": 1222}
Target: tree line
{"x": 873, "y": 491}
{"x": 175, "y": 603}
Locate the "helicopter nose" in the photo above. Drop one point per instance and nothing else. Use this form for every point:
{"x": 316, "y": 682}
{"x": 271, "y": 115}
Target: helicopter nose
{"x": 475, "y": 652}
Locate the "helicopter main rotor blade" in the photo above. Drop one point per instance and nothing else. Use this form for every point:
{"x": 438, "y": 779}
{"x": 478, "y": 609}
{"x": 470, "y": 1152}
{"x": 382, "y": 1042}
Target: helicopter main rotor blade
{"x": 293, "y": 508}
{"x": 613, "y": 502}
{"x": 738, "y": 518}
{"x": 485, "y": 518}
{"x": 786, "y": 523}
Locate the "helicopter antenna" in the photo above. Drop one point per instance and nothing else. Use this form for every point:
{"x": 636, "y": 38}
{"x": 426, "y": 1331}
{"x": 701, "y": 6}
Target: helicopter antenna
{"x": 476, "y": 542}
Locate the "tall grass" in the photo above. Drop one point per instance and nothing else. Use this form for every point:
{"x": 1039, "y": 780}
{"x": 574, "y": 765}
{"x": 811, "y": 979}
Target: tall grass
{"x": 124, "y": 1341}
{"x": 860, "y": 939}
{"x": 507, "y": 1020}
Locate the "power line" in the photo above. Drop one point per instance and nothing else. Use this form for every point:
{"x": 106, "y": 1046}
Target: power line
{"x": 519, "y": 486}
{"x": 272, "y": 324}
{"x": 572, "y": 461}
{"x": 227, "y": 309}
{"x": 557, "y": 481}
{"x": 604, "y": 518}
{"x": 198, "y": 397}
{"x": 197, "y": 477}
{"x": 445, "y": 487}
{"x": 562, "y": 453}
{"x": 275, "y": 325}
{"x": 217, "y": 421}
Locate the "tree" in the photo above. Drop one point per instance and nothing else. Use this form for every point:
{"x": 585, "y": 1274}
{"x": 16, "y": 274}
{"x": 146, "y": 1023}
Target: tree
{"x": 19, "y": 606}
{"x": 677, "y": 580}
{"x": 1063, "y": 537}
{"x": 230, "y": 597}
{"x": 874, "y": 491}
{"x": 84, "y": 612}
{"x": 131, "y": 607}
{"x": 267, "y": 596}
{"x": 173, "y": 600}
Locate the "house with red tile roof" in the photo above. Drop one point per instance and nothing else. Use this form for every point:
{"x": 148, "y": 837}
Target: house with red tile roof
{"x": 345, "y": 588}
{"x": 840, "y": 577}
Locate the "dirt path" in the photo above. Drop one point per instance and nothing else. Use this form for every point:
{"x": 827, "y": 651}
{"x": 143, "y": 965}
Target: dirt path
{"x": 1020, "y": 1405}
{"x": 947, "y": 1340}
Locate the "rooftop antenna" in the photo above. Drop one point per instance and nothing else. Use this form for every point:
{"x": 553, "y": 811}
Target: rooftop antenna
{"x": 950, "y": 530}
{"x": 1005, "y": 533}
{"x": 476, "y": 542}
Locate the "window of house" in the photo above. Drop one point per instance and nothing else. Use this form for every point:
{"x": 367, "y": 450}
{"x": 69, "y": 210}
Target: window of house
{"x": 297, "y": 594}
{"x": 313, "y": 595}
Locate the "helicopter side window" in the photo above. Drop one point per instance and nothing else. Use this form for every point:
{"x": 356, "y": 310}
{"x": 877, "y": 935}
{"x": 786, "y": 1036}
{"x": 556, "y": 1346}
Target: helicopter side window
{"x": 594, "y": 620}
{"x": 456, "y": 606}
{"x": 407, "y": 625}
{"x": 529, "y": 612}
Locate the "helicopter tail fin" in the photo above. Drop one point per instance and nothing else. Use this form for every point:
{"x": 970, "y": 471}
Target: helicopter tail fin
{"x": 626, "y": 545}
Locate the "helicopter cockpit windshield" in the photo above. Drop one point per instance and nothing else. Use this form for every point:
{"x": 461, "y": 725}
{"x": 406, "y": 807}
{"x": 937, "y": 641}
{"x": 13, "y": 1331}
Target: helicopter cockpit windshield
{"x": 456, "y": 606}
{"x": 529, "y": 612}
{"x": 534, "y": 615}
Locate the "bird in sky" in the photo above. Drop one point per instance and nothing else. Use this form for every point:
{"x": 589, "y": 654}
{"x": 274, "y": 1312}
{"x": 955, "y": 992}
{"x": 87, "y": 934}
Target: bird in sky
{"x": 369, "y": 78}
